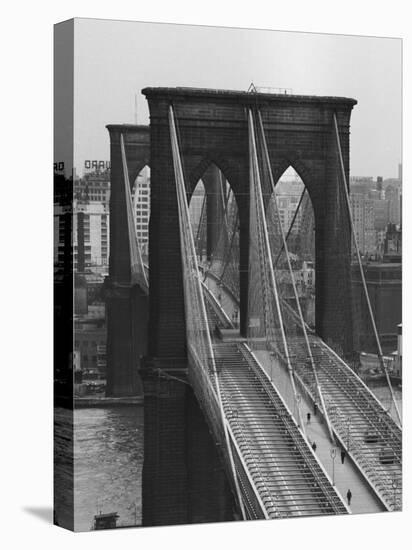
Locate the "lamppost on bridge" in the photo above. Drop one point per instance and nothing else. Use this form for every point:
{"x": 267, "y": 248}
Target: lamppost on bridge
{"x": 298, "y": 398}
{"x": 394, "y": 487}
{"x": 348, "y": 421}
{"x": 333, "y": 456}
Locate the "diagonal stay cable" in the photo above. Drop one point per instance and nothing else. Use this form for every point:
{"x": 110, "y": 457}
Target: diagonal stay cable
{"x": 137, "y": 267}
{"x": 365, "y": 287}
{"x": 285, "y": 247}
{"x": 261, "y": 210}
{"x": 184, "y": 223}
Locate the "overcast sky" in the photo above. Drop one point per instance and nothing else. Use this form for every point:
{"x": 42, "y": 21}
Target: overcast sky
{"x": 114, "y": 60}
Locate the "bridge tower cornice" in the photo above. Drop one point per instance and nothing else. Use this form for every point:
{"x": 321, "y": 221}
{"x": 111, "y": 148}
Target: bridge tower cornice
{"x": 245, "y": 98}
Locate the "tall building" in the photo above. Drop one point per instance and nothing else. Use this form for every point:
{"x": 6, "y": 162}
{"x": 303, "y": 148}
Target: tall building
{"x": 91, "y": 237}
{"x": 381, "y": 214}
{"x": 393, "y": 196}
{"x": 93, "y": 187}
{"x": 90, "y": 223}
{"x": 364, "y": 222}
{"x": 375, "y": 204}
{"x": 141, "y": 202}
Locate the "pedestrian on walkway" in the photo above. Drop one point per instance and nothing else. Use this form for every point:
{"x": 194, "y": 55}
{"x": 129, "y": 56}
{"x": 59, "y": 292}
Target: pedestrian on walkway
{"x": 315, "y": 408}
{"x": 308, "y": 417}
{"x": 342, "y": 455}
{"x": 314, "y": 446}
{"x": 349, "y": 496}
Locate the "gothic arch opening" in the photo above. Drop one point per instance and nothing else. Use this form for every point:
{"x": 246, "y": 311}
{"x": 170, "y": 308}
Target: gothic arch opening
{"x": 198, "y": 220}
{"x": 297, "y": 220}
{"x": 215, "y": 226}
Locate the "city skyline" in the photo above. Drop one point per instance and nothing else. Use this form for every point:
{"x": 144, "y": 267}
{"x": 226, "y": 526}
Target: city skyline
{"x": 106, "y": 84}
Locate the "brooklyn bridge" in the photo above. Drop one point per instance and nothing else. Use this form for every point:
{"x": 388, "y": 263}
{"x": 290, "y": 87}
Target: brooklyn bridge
{"x": 247, "y": 397}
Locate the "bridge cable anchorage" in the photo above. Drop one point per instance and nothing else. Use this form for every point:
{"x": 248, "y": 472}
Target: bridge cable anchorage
{"x": 358, "y": 255}
{"x": 138, "y": 271}
{"x": 269, "y": 284}
{"x": 198, "y": 336}
{"x": 295, "y": 292}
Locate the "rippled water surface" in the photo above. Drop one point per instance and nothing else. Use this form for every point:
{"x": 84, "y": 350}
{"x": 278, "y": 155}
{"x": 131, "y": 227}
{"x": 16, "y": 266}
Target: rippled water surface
{"x": 108, "y": 458}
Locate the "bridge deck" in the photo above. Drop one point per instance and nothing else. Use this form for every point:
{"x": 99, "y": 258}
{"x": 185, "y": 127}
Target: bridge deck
{"x": 283, "y": 469}
{"x": 282, "y": 466}
{"x": 359, "y": 420}
{"x": 346, "y": 398}
{"x": 347, "y": 475}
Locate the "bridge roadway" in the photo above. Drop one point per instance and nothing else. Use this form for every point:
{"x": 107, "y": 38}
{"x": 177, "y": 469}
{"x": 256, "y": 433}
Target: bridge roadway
{"x": 281, "y": 466}
{"x": 346, "y": 397}
{"x": 360, "y": 423}
{"x": 346, "y": 475}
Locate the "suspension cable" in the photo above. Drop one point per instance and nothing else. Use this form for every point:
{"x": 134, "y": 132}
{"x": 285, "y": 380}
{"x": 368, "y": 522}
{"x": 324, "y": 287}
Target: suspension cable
{"x": 184, "y": 216}
{"x": 261, "y": 208}
{"x": 358, "y": 255}
{"x": 285, "y": 247}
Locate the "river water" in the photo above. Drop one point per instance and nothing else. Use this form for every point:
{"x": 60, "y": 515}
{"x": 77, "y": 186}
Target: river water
{"x": 108, "y": 460}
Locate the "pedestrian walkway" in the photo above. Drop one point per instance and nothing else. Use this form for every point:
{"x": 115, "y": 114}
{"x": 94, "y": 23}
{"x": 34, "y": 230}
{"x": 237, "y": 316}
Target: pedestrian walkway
{"x": 226, "y": 301}
{"x": 346, "y": 475}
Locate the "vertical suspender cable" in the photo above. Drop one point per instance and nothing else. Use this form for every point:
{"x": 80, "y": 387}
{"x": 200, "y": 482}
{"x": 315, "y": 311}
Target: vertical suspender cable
{"x": 285, "y": 247}
{"x": 184, "y": 215}
{"x": 258, "y": 190}
{"x": 365, "y": 287}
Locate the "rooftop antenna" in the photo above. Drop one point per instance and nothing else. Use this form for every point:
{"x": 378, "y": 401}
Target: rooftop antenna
{"x": 135, "y": 109}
